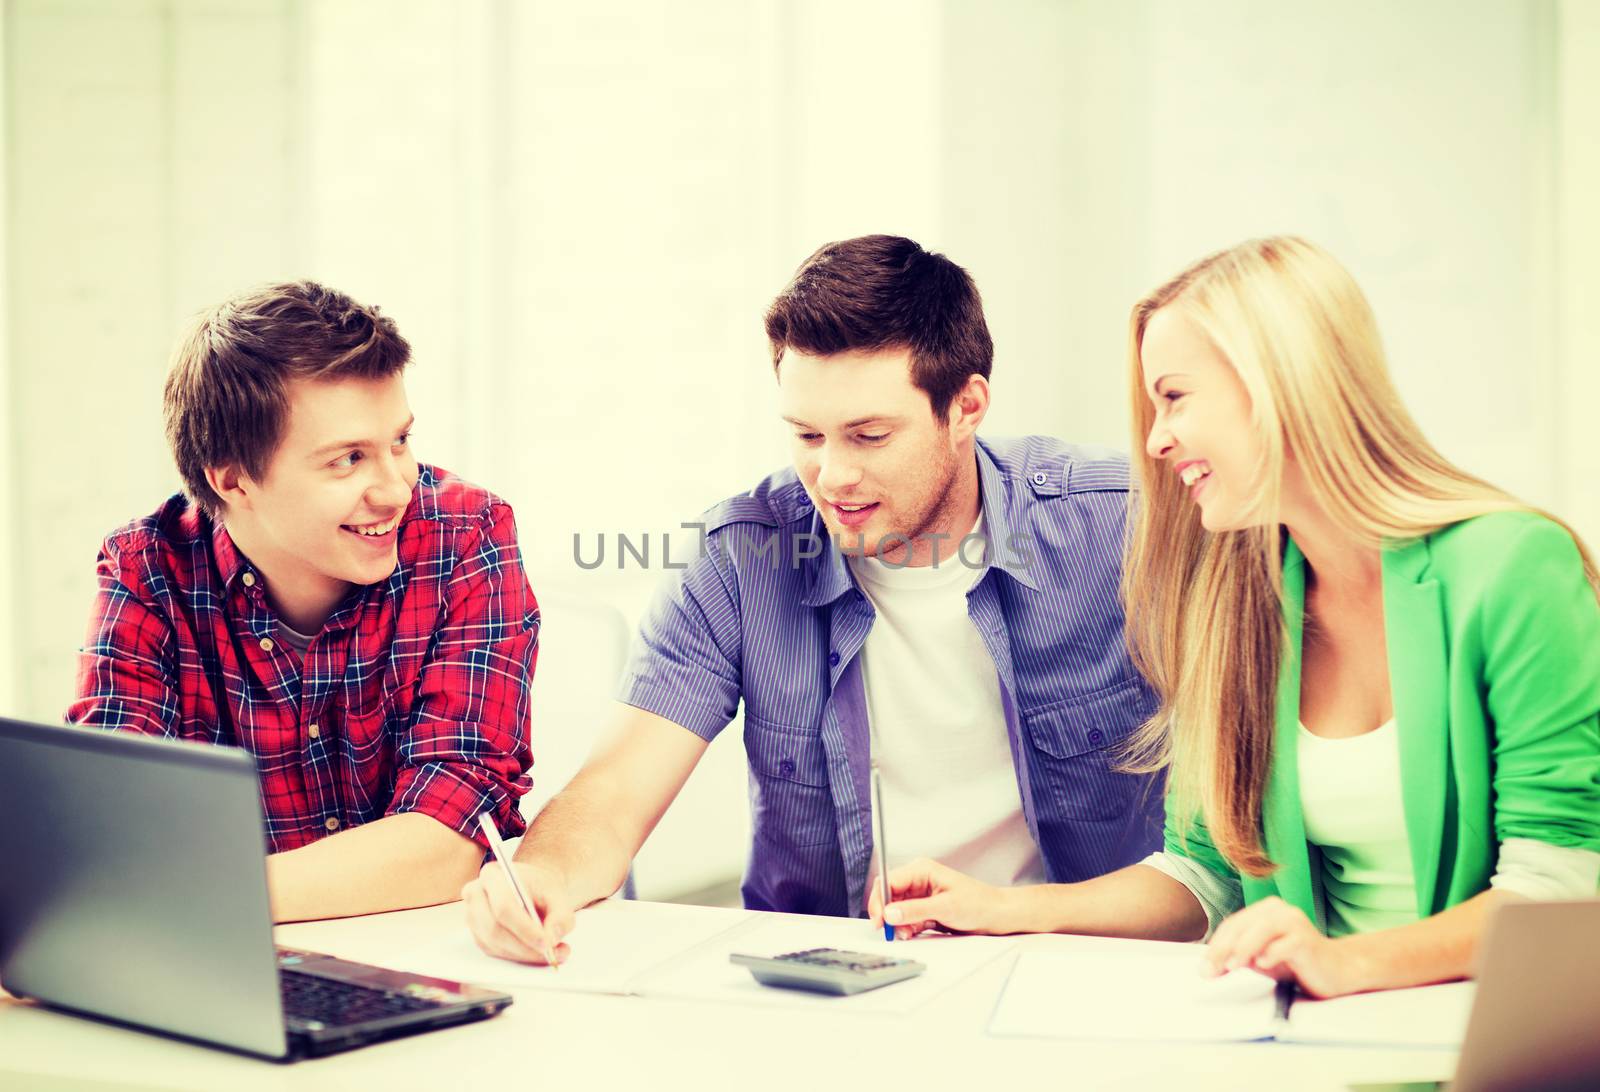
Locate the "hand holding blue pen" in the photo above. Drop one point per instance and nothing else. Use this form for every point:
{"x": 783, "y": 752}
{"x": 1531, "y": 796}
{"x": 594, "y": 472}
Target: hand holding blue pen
{"x": 929, "y": 895}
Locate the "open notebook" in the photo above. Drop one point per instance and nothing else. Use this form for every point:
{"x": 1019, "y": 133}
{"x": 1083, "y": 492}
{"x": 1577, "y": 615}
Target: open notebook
{"x": 659, "y": 949}
{"x": 1147, "y": 990}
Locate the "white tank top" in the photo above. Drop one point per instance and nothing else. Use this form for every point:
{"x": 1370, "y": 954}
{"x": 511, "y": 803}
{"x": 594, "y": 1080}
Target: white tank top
{"x": 1351, "y": 799}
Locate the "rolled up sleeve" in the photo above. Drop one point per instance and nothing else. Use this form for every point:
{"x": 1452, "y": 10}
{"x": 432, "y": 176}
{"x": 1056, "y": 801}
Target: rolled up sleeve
{"x": 467, "y": 748}
{"x": 684, "y": 665}
{"x": 127, "y": 669}
{"x": 1541, "y": 639}
{"x": 1190, "y": 857}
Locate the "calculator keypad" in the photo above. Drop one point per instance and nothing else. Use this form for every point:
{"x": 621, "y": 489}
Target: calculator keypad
{"x": 842, "y": 961}
{"x": 828, "y": 970}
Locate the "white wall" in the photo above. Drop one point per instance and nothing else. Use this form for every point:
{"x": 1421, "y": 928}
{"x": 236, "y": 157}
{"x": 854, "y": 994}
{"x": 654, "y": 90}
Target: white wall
{"x": 1046, "y": 185}
{"x": 1577, "y": 270}
{"x": 10, "y": 526}
{"x": 147, "y": 177}
{"x": 1410, "y": 139}
{"x": 577, "y": 214}
{"x": 91, "y": 299}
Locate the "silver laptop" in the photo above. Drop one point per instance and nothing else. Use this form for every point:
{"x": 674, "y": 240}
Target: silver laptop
{"x": 1535, "y": 1020}
{"x": 134, "y": 890}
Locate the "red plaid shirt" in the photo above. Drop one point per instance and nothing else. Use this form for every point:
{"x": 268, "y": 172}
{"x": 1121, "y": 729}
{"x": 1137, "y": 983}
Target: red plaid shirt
{"x": 414, "y": 697}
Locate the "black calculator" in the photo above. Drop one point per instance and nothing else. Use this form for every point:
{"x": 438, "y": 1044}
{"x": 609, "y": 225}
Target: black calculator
{"x": 828, "y": 970}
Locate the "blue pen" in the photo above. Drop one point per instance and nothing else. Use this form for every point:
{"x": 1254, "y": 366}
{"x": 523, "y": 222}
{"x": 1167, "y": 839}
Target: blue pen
{"x": 883, "y": 851}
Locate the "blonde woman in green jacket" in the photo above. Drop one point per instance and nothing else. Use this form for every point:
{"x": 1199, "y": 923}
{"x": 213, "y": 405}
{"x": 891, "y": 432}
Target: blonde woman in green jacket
{"x": 1379, "y": 675}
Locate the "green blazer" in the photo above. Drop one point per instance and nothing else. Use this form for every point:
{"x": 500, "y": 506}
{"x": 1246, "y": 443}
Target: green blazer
{"x": 1494, "y": 663}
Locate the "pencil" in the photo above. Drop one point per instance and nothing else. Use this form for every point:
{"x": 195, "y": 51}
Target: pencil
{"x": 498, "y": 848}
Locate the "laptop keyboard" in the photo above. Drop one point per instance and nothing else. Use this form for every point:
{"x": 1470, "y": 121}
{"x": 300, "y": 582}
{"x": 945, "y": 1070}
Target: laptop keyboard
{"x": 311, "y": 999}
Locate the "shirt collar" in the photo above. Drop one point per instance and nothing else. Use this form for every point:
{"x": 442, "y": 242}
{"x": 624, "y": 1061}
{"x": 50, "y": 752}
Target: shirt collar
{"x": 1005, "y": 552}
{"x": 231, "y": 564}
{"x": 829, "y": 577}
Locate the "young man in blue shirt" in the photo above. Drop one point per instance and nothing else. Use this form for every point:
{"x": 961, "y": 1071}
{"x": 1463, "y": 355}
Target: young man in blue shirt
{"x": 906, "y": 596}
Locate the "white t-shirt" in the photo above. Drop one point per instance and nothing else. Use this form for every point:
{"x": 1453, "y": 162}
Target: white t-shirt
{"x": 938, "y": 727}
{"x": 1353, "y": 805}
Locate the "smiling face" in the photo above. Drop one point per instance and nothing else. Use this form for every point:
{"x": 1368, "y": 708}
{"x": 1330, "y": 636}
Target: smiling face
{"x": 876, "y": 462}
{"x": 325, "y": 513}
{"x": 1202, "y": 428}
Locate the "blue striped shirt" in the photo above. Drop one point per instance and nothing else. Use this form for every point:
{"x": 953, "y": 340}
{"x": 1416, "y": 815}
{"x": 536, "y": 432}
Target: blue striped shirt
{"x": 769, "y": 614}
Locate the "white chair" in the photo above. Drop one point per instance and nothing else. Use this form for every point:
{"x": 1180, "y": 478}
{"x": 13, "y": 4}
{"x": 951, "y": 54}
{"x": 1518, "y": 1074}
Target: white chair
{"x": 583, "y": 645}
{"x": 700, "y": 844}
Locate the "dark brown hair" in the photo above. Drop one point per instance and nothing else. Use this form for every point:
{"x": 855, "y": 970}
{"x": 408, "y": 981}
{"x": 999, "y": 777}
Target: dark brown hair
{"x": 885, "y": 292}
{"x": 226, "y": 400}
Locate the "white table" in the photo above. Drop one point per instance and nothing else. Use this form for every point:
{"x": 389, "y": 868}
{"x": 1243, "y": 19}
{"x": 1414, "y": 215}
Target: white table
{"x": 552, "y": 1040}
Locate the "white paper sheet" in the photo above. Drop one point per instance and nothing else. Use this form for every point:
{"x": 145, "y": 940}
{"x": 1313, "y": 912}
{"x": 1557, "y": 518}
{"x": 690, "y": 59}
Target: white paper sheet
{"x": 1145, "y": 990}
{"x": 1427, "y": 1016}
{"x": 613, "y": 943}
{"x": 707, "y": 975}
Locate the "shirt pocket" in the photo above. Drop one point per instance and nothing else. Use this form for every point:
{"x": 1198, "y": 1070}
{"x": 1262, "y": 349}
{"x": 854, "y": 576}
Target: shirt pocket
{"x": 790, "y": 802}
{"x": 1077, "y": 747}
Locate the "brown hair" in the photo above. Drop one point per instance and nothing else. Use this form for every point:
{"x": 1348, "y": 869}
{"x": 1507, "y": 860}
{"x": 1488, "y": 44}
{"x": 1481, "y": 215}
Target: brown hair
{"x": 885, "y": 292}
{"x": 226, "y": 398}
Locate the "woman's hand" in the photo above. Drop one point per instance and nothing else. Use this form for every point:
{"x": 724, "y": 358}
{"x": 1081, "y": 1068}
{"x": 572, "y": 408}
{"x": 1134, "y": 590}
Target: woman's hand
{"x": 1278, "y": 939}
{"x": 927, "y": 895}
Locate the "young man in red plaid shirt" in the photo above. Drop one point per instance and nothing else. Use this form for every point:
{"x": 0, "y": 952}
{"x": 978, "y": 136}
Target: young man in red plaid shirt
{"x": 359, "y": 622}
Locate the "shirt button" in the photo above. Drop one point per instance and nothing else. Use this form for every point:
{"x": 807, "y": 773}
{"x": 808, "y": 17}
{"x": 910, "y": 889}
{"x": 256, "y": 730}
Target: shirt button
{"x": 833, "y": 659}
{"x": 332, "y": 823}
{"x": 1040, "y": 478}
{"x": 249, "y": 580}
{"x": 314, "y": 731}
{"x": 266, "y": 644}
{"x": 786, "y": 768}
{"x": 1096, "y": 736}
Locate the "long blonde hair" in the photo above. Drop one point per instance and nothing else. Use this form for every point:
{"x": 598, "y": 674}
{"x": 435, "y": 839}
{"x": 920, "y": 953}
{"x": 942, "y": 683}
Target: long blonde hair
{"x": 1205, "y": 617}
